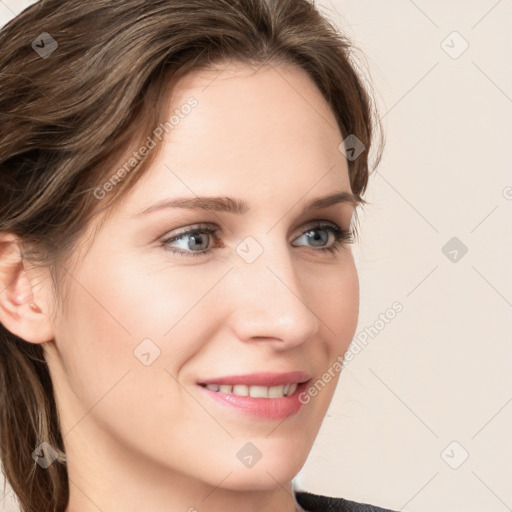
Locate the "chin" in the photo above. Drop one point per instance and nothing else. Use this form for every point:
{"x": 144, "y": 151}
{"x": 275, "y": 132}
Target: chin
{"x": 259, "y": 480}
{"x": 273, "y": 470}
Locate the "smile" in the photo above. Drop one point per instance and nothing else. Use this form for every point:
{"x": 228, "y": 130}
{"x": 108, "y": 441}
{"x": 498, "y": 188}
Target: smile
{"x": 254, "y": 391}
{"x": 266, "y": 395}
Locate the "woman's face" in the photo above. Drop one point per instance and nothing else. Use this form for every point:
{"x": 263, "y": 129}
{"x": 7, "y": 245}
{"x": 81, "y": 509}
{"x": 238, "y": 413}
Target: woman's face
{"x": 151, "y": 314}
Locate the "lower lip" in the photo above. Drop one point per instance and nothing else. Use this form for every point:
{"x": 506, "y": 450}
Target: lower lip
{"x": 267, "y": 408}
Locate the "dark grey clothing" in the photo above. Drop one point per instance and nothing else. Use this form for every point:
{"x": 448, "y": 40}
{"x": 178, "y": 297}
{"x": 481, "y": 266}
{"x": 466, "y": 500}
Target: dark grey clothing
{"x": 316, "y": 503}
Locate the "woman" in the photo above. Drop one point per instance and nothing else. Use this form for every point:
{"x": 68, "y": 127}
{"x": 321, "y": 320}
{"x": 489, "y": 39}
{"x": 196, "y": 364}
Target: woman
{"x": 178, "y": 189}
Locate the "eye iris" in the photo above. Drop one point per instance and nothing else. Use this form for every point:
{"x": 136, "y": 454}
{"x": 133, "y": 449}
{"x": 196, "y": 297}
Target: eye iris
{"x": 314, "y": 237}
{"x": 194, "y": 237}
{"x": 319, "y": 235}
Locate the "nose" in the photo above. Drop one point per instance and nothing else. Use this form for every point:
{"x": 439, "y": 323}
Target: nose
{"x": 271, "y": 301}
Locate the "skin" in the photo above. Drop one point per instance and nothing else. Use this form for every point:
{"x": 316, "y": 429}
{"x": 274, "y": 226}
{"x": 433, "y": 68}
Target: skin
{"x": 145, "y": 437}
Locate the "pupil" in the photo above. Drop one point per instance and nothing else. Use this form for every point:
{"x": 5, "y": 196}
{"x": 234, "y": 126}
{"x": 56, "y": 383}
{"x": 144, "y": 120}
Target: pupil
{"x": 315, "y": 237}
{"x": 195, "y": 238}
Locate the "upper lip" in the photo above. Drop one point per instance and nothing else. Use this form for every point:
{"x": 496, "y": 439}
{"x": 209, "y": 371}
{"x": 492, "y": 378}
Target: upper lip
{"x": 260, "y": 379}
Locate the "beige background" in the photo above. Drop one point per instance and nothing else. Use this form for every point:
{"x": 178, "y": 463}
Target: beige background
{"x": 433, "y": 386}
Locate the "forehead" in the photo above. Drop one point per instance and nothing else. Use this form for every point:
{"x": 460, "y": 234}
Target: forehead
{"x": 265, "y": 131}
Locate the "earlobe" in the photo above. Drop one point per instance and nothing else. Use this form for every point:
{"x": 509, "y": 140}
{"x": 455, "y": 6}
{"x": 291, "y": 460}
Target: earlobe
{"x": 23, "y": 309}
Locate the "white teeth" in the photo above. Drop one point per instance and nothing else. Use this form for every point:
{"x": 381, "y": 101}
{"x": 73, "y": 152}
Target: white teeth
{"x": 241, "y": 390}
{"x": 258, "y": 391}
{"x": 255, "y": 391}
{"x": 276, "y": 392}
{"x": 292, "y": 389}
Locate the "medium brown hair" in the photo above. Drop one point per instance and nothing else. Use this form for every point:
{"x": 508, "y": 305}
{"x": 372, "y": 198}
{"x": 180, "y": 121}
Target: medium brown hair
{"x": 70, "y": 116}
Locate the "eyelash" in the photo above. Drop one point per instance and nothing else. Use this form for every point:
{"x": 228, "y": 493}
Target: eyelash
{"x": 341, "y": 237}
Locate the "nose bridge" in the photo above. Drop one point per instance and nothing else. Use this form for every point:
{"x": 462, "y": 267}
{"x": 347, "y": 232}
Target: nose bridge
{"x": 271, "y": 300}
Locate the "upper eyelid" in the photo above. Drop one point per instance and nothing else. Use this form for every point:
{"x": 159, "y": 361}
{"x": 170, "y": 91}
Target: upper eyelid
{"x": 214, "y": 229}
{"x": 342, "y": 236}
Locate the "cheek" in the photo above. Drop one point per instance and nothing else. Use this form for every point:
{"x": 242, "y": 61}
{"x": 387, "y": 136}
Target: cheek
{"x": 336, "y": 302}
{"x": 109, "y": 314}
{"x": 122, "y": 311}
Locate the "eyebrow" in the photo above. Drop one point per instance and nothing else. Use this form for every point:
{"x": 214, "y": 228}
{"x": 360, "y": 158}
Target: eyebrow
{"x": 239, "y": 206}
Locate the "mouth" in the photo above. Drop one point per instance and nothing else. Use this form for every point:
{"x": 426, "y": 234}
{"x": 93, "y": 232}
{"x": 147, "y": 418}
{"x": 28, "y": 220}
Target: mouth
{"x": 265, "y": 394}
{"x": 254, "y": 391}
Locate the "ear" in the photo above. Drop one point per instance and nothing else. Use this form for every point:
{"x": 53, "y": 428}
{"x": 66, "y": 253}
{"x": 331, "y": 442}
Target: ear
{"x": 24, "y": 294}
